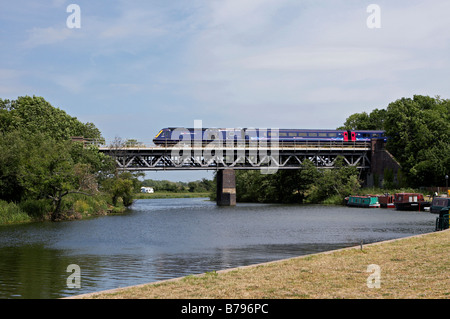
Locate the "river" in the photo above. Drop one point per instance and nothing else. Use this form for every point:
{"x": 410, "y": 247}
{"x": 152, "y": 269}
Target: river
{"x": 166, "y": 238}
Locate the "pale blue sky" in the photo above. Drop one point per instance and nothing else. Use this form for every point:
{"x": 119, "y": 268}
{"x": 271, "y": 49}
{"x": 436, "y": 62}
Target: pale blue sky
{"x": 137, "y": 66}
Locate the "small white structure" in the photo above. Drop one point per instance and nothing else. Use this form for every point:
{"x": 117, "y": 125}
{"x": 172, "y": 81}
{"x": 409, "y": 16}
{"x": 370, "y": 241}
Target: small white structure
{"x": 148, "y": 190}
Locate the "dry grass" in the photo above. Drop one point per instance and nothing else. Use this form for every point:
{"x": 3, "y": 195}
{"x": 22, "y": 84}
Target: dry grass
{"x": 414, "y": 267}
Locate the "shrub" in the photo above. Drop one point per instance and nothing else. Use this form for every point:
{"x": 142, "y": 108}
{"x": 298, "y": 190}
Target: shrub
{"x": 11, "y": 213}
{"x": 36, "y": 208}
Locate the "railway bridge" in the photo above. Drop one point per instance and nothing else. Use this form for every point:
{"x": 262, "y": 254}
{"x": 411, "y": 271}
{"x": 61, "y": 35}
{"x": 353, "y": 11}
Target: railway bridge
{"x": 368, "y": 157}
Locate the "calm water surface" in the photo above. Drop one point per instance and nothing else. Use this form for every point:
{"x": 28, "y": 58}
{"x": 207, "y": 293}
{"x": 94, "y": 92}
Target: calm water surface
{"x": 166, "y": 238}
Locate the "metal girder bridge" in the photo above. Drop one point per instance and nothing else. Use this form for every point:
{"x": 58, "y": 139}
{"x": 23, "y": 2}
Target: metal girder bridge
{"x": 261, "y": 156}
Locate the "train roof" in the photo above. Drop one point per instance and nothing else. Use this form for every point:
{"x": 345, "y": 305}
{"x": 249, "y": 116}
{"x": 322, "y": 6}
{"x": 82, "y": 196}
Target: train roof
{"x": 280, "y": 129}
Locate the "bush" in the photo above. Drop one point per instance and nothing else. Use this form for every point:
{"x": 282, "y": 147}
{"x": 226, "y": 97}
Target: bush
{"x": 36, "y": 208}
{"x": 333, "y": 200}
{"x": 81, "y": 206}
{"x": 86, "y": 204}
{"x": 11, "y": 213}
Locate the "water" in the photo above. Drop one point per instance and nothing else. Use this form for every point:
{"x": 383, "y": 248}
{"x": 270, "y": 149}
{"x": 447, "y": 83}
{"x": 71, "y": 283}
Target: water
{"x": 167, "y": 238}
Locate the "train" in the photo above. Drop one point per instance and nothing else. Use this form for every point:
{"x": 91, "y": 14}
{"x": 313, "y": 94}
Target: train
{"x": 172, "y": 135}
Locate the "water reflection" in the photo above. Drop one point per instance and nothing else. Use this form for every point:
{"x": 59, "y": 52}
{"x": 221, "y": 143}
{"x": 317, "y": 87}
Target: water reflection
{"x": 167, "y": 238}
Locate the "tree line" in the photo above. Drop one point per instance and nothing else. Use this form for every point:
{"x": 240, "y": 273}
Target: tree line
{"x": 306, "y": 185}
{"x": 43, "y": 172}
{"x": 418, "y": 131}
{"x": 201, "y": 186}
{"x": 40, "y": 165}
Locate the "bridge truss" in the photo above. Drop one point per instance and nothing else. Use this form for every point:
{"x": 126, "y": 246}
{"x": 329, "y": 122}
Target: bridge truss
{"x": 260, "y": 156}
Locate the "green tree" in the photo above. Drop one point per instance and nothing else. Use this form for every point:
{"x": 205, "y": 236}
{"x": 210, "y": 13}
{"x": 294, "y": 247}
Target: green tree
{"x": 419, "y": 134}
{"x": 363, "y": 121}
{"x": 123, "y": 186}
{"x": 341, "y": 180}
{"x": 35, "y": 114}
{"x": 11, "y": 159}
{"x": 39, "y": 161}
{"x": 418, "y": 131}
{"x": 285, "y": 186}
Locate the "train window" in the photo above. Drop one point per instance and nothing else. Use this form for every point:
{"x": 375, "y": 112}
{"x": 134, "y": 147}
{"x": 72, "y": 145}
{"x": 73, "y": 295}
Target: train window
{"x": 332, "y": 134}
{"x": 292, "y": 134}
{"x": 302, "y": 134}
{"x": 322, "y": 134}
{"x": 312, "y": 134}
{"x": 282, "y": 134}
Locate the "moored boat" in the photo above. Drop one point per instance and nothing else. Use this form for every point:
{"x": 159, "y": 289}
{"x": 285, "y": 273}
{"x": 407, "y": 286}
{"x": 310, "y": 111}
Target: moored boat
{"x": 363, "y": 201}
{"x": 386, "y": 201}
{"x": 410, "y": 201}
{"x": 440, "y": 204}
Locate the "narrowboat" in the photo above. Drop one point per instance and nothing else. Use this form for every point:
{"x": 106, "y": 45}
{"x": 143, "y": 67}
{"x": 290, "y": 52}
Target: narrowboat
{"x": 363, "y": 201}
{"x": 410, "y": 201}
{"x": 440, "y": 204}
{"x": 386, "y": 201}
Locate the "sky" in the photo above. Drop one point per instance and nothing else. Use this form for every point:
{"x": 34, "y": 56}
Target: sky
{"x": 134, "y": 67}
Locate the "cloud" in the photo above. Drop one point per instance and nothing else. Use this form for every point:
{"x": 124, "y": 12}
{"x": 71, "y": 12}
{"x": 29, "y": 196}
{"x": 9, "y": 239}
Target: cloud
{"x": 45, "y": 36}
{"x": 134, "y": 23}
{"x": 236, "y": 61}
{"x": 320, "y": 58}
{"x": 284, "y": 53}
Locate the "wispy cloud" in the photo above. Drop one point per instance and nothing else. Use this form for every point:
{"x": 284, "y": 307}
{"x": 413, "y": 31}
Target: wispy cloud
{"x": 231, "y": 61}
{"x": 310, "y": 54}
{"x": 45, "y": 36}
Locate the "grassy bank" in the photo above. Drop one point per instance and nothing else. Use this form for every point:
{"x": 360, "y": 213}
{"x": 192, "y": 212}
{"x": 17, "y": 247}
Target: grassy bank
{"x": 11, "y": 213}
{"x": 172, "y": 195}
{"x": 74, "y": 206}
{"x": 414, "y": 267}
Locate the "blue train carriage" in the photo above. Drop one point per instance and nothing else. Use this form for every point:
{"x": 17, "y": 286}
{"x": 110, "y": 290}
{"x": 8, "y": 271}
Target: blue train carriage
{"x": 302, "y": 135}
{"x": 299, "y": 135}
{"x": 368, "y": 135}
{"x": 171, "y": 136}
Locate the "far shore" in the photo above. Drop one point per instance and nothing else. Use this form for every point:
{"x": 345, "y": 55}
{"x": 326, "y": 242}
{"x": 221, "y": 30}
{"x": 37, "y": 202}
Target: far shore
{"x": 171, "y": 195}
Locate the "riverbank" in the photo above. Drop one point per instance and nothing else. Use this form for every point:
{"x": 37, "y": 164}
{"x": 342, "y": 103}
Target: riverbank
{"x": 74, "y": 206}
{"x": 171, "y": 195}
{"x": 410, "y": 268}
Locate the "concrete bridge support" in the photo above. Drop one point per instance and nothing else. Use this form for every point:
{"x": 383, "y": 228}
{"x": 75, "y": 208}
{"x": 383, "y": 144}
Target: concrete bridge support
{"x": 382, "y": 163}
{"x": 226, "y": 187}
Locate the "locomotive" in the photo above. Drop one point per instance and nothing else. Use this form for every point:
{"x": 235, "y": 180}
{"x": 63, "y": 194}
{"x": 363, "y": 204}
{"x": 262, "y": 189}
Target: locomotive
{"x": 171, "y": 135}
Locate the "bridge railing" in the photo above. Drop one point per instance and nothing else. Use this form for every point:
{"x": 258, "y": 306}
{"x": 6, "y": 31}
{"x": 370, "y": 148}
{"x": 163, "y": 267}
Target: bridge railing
{"x": 224, "y": 145}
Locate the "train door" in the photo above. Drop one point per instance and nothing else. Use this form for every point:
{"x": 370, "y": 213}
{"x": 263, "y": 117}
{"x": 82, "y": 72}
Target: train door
{"x": 345, "y": 136}
{"x": 353, "y": 135}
